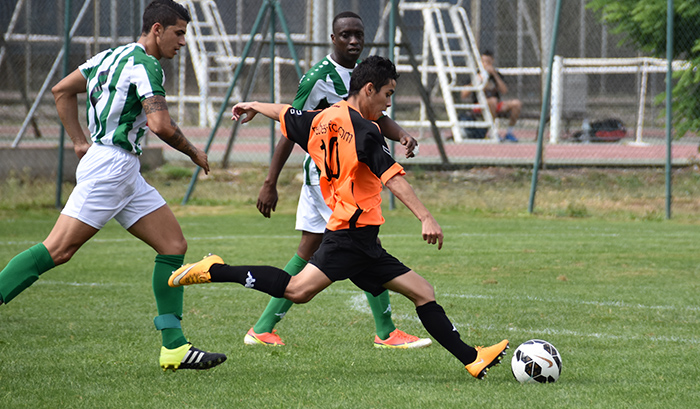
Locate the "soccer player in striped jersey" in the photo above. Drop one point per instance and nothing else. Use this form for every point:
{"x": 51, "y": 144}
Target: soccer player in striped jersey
{"x": 126, "y": 98}
{"x": 325, "y": 84}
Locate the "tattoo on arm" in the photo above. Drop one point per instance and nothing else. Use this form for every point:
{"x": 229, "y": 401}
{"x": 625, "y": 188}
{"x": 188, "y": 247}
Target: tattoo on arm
{"x": 180, "y": 142}
{"x": 177, "y": 140}
{"x": 154, "y": 104}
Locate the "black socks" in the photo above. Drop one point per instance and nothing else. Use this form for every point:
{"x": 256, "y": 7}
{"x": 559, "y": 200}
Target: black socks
{"x": 268, "y": 279}
{"x": 439, "y": 327}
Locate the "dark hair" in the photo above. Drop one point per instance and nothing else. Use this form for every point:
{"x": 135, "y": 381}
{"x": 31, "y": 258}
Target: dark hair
{"x": 376, "y": 70}
{"x": 487, "y": 52}
{"x": 165, "y": 12}
{"x": 344, "y": 14}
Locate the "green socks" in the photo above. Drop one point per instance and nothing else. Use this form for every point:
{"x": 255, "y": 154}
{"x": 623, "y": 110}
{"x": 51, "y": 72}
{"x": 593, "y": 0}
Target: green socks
{"x": 381, "y": 310}
{"x": 169, "y": 300}
{"x": 278, "y": 307}
{"x": 23, "y": 270}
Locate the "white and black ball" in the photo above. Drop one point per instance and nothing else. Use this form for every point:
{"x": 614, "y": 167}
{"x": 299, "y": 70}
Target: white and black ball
{"x": 536, "y": 361}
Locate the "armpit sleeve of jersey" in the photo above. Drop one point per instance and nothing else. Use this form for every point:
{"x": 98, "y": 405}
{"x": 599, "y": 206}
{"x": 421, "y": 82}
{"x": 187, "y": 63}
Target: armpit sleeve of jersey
{"x": 309, "y": 93}
{"x": 296, "y": 125}
{"x": 373, "y": 151}
{"x": 148, "y": 79}
{"x": 303, "y": 93}
{"x": 90, "y": 65}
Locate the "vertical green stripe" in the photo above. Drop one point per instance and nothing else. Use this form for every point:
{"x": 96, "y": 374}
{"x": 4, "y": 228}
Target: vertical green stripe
{"x": 308, "y": 162}
{"x": 116, "y": 77}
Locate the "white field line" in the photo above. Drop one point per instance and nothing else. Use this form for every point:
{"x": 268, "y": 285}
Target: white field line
{"x": 130, "y": 238}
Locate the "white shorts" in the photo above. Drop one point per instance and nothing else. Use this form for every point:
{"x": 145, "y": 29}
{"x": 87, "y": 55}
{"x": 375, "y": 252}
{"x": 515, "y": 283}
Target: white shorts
{"x": 312, "y": 211}
{"x": 110, "y": 186}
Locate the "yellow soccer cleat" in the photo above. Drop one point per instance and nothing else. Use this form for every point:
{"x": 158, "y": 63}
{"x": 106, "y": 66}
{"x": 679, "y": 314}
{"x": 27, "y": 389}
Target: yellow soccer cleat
{"x": 487, "y": 357}
{"x": 194, "y": 273}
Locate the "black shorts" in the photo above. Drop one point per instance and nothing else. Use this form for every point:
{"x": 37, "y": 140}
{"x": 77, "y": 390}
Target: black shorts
{"x": 356, "y": 254}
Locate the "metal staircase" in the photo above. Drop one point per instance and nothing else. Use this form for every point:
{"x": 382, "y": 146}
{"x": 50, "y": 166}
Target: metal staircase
{"x": 449, "y": 53}
{"x": 212, "y": 56}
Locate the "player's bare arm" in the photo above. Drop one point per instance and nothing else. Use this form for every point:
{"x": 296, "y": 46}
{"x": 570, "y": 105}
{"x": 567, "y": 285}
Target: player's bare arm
{"x": 431, "y": 230}
{"x": 267, "y": 198}
{"x": 161, "y": 124}
{"x": 395, "y": 132}
{"x": 65, "y": 94}
{"x": 246, "y": 111}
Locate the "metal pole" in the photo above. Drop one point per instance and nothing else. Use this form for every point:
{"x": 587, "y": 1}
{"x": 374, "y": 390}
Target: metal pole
{"x": 392, "y": 57}
{"x": 253, "y": 72}
{"x": 236, "y": 74}
{"x": 251, "y": 77}
{"x": 545, "y": 103}
{"x": 669, "y": 101}
{"x": 62, "y": 134}
{"x": 272, "y": 79}
{"x": 288, "y": 36}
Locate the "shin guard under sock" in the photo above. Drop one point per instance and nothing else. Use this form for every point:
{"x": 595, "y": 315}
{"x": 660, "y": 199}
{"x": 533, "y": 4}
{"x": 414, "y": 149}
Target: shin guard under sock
{"x": 169, "y": 300}
{"x": 23, "y": 270}
{"x": 381, "y": 311}
{"x": 268, "y": 279}
{"x": 278, "y": 307}
{"x": 439, "y": 327}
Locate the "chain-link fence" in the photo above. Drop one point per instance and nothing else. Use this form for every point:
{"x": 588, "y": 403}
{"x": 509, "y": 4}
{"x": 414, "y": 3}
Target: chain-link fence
{"x": 602, "y": 112}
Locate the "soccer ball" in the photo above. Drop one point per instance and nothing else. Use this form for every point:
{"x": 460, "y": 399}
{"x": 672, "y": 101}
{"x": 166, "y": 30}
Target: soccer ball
{"x": 536, "y": 361}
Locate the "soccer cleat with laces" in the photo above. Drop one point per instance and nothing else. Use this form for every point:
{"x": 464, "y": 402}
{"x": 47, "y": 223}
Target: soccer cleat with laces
{"x": 188, "y": 357}
{"x": 486, "y": 357}
{"x": 401, "y": 340}
{"x": 264, "y": 338}
{"x": 194, "y": 273}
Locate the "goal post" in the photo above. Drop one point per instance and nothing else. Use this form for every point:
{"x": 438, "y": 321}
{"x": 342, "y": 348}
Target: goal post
{"x": 566, "y": 68}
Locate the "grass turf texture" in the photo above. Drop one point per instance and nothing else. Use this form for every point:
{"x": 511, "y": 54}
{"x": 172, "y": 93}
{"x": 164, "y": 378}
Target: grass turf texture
{"x": 617, "y": 298}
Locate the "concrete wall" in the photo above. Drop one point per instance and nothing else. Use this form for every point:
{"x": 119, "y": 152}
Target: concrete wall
{"x": 43, "y": 162}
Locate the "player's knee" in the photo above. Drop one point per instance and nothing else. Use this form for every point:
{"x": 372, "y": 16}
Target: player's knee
{"x": 62, "y": 256}
{"x": 298, "y": 296}
{"x": 428, "y": 291}
{"x": 423, "y": 293}
{"x": 177, "y": 245}
{"x": 297, "y": 292}
{"x": 63, "y": 252}
{"x": 182, "y": 246}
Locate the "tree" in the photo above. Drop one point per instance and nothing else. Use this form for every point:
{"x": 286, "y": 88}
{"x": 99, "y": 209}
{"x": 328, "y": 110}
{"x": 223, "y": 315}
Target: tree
{"x": 643, "y": 23}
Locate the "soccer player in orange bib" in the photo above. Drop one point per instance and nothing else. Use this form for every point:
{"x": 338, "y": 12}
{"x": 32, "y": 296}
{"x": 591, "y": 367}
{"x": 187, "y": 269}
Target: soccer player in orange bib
{"x": 326, "y": 83}
{"x": 348, "y": 148}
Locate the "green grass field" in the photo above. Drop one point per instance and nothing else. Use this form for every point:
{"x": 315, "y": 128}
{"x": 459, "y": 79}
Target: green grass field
{"x": 618, "y": 298}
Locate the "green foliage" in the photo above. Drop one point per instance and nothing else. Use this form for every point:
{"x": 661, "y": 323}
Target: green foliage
{"x": 643, "y": 22}
{"x": 618, "y": 299}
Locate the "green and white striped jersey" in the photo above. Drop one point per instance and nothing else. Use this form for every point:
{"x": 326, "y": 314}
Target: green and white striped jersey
{"x": 117, "y": 81}
{"x": 323, "y": 85}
